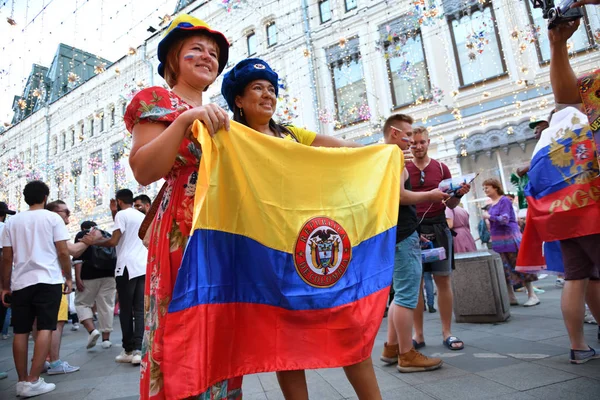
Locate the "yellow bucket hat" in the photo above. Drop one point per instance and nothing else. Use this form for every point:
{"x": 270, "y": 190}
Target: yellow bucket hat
{"x": 182, "y": 26}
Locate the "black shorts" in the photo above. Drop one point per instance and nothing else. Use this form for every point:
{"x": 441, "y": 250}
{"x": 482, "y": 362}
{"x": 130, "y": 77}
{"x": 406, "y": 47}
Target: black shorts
{"x": 40, "y": 301}
{"x": 581, "y": 257}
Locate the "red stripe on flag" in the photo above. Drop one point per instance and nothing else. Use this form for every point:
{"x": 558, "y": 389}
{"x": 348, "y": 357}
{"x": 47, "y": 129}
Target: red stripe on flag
{"x": 571, "y": 212}
{"x": 209, "y": 343}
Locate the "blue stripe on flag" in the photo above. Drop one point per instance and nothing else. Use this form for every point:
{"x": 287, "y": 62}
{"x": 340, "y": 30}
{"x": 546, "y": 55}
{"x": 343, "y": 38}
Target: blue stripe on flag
{"x": 240, "y": 269}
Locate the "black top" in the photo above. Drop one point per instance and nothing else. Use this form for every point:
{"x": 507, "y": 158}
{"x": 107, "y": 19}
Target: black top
{"x": 88, "y": 271}
{"x": 407, "y": 218}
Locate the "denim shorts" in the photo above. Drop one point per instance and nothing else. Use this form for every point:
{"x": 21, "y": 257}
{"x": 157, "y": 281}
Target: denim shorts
{"x": 407, "y": 272}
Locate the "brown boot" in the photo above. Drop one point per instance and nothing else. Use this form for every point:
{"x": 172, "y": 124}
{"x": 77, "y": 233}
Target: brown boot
{"x": 414, "y": 361}
{"x": 390, "y": 353}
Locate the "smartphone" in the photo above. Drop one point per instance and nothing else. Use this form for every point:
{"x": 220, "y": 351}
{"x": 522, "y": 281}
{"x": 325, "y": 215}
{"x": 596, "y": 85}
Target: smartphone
{"x": 7, "y": 298}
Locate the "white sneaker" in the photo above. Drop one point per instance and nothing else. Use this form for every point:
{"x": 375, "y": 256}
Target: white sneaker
{"x": 589, "y": 318}
{"x": 45, "y": 368}
{"x": 124, "y": 357}
{"x": 30, "y": 389}
{"x": 5, "y": 337}
{"x": 62, "y": 368}
{"x": 20, "y": 387}
{"x": 532, "y": 301}
{"x": 560, "y": 282}
{"x": 92, "y": 338}
{"x": 75, "y": 326}
{"x": 106, "y": 344}
{"x": 137, "y": 357}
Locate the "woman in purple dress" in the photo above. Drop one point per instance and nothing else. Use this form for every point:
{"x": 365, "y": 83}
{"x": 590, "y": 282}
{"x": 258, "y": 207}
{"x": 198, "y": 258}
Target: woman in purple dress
{"x": 506, "y": 239}
{"x": 458, "y": 221}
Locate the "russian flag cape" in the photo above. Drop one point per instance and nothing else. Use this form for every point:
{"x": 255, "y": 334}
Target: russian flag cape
{"x": 290, "y": 258}
{"x": 564, "y": 188}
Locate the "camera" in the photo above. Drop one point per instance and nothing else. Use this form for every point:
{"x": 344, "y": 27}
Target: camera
{"x": 558, "y": 12}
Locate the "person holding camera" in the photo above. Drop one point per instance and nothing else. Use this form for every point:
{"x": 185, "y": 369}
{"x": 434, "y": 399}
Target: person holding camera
{"x": 95, "y": 281}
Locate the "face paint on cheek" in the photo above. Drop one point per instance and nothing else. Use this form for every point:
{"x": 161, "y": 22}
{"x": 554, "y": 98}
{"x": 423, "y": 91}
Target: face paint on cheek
{"x": 405, "y": 139}
{"x": 188, "y": 57}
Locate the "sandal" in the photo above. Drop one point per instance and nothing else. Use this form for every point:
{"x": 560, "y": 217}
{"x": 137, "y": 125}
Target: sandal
{"x": 450, "y": 340}
{"x": 418, "y": 345}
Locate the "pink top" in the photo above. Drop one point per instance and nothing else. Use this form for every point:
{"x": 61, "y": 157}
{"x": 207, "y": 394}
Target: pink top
{"x": 463, "y": 241}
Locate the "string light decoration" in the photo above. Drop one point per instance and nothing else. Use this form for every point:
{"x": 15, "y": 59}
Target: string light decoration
{"x": 231, "y": 5}
{"x": 287, "y": 106}
{"x": 427, "y": 106}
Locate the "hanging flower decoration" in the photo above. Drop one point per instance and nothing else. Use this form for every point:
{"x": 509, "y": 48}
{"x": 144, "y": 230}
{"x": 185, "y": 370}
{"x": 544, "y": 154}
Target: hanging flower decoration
{"x": 11, "y": 21}
{"x": 86, "y": 206}
{"x": 165, "y": 20}
{"x": 510, "y": 130}
{"x": 231, "y": 5}
{"x": 437, "y": 94}
{"x": 15, "y": 164}
{"x": 117, "y": 71}
{"x": 73, "y": 77}
{"x": 364, "y": 112}
{"x": 457, "y": 115}
{"x": 476, "y": 43}
{"x": 286, "y": 105}
{"x": 342, "y": 42}
{"x": 407, "y": 71}
{"x": 306, "y": 53}
{"x": 22, "y": 104}
{"x": 120, "y": 174}
{"x": 97, "y": 192}
{"x": 515, "y": 33}
{"x": 33, "y": 175}
{"x": 100, "y": 68}
{"x": 37, "y": 93}
{"x": 597, "y": 36}
{"x": 132, "y": 51}
{"x": 425, "y": 12}
{"x": 326, "y": 116}
{"x": 96, "y": 165}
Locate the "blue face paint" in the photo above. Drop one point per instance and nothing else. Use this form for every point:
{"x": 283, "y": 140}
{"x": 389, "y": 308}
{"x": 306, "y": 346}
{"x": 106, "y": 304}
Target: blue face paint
{"x": 405, "y": 139}
{"x": 188, "y": 57}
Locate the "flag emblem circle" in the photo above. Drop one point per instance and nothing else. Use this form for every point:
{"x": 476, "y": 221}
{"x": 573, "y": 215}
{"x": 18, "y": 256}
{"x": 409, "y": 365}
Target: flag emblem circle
{"x": 322, "y": 253}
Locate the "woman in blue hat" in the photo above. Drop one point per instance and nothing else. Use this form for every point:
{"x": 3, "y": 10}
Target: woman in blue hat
{"x": 251, "y": 90}
{"x": 191, "y": 57}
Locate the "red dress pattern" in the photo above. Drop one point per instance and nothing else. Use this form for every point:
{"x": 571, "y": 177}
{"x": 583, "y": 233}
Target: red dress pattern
{"x": 170, "y": 231}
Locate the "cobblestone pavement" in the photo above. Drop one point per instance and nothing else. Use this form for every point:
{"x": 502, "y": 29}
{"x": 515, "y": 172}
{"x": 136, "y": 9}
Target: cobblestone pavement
{"x": 524, "y": 358}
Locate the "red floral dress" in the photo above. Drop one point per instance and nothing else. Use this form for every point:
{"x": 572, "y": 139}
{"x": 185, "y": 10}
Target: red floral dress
{"x": 170, "y": 230}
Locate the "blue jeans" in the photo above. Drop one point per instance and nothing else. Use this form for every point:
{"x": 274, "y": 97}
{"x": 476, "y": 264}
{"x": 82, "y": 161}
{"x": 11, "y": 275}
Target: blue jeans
{"x": 407, "y": 272}
{"x": 428, "y": 280}
{"x": 6, "y": 322}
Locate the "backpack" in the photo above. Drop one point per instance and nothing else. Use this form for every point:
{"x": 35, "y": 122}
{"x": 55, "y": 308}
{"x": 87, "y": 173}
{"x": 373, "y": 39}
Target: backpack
{"x": 104, "y": 258}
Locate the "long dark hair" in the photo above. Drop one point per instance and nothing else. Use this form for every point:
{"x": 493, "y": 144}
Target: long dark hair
{"x": 280, "y": 130}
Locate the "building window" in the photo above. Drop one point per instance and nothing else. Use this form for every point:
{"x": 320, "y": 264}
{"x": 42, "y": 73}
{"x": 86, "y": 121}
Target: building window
{"x": 251, "y": 41}
{"x": 477, "y": 47}
{"x": 581, "y": 39}
{"x": 271, "y": 34}
{"x": 63, "y": 140}
{"x": 81, "y": 132}
{"x": 112, "y": 116}
{"x": 101, "y": 122}
{"x": 76, "y": 175}
{"x": 91, "y": 127}
{"x": 54, "y": 146}
{"x": 325, "y": 11}
{"x": 119, "y": 177}
{"x": 72, "y": 137}
{"x": 350, "y": 4}
{"x": 350, "y": 91}
{"x": 123, "y": 108}
{"x": 407, "y": 68}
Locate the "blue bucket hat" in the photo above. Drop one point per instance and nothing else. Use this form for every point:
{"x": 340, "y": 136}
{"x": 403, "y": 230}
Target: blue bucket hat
{"x": 246, "y": 71}
{"x": 185, "y": 25}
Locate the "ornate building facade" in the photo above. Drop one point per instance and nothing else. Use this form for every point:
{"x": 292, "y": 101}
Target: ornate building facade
{"x": 473, "y": 71}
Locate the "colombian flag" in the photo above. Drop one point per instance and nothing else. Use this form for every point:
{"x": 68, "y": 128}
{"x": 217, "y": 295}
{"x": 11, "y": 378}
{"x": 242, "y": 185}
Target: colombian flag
{"x": 290, "y": 259}
{"x": 564, "y": 188}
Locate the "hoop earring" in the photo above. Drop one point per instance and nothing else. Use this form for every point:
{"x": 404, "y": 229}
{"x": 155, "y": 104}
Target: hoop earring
{"x": 241, "y": 112}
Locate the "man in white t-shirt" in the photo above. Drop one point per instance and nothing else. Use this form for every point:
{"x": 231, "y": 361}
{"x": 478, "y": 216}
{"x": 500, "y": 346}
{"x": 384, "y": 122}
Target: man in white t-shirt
{"x": 35, "y": 241}
{"x": 130, "y": 274}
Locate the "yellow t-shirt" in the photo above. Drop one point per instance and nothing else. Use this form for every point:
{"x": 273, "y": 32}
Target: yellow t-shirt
{"x": 304, "y": 137}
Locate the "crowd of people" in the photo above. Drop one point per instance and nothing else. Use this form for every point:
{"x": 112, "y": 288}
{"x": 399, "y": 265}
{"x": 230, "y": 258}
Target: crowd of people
{"x": 38, "y": 259}
{"x": 149, "y": 239}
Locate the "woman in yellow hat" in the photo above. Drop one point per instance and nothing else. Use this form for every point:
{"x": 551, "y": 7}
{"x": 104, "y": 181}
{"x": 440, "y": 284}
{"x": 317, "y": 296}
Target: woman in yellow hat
{"x": 191, "y": 57}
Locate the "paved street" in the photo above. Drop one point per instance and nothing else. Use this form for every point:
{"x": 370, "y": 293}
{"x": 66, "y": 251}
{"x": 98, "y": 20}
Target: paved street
{"x": 525, "y": 358}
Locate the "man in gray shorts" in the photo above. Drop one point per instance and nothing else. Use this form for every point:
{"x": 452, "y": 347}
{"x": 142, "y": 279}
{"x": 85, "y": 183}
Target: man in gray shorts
{"x": 425, "y": 175}
{"x": 407, "y": 264}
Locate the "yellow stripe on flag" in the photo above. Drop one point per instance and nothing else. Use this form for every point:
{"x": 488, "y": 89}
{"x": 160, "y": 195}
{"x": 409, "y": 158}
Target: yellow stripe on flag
{"x": 266, "y": 188}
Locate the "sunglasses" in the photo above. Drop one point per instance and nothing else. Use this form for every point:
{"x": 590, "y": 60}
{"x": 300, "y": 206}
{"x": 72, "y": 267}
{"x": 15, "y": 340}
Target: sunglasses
{"x": 422, "y": 179}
